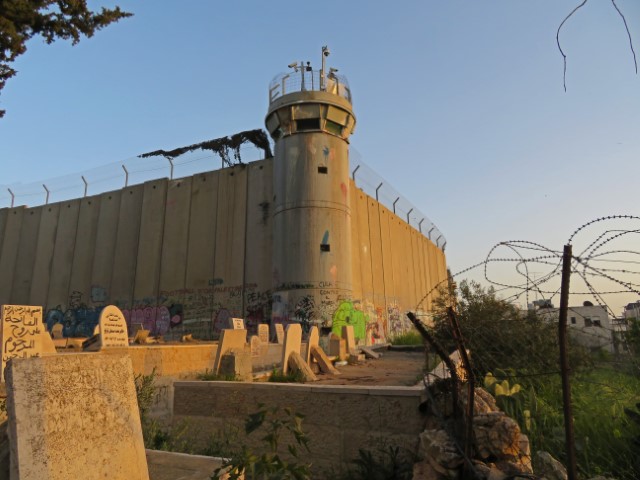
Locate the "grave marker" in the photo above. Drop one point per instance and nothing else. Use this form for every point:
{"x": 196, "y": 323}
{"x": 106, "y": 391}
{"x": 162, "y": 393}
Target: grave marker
{"x": 22, "y": 330}
{"x": 279, "y": 333}
{"x": 99, "y": 426}
{"x": 349, "y": 337}
{"x": 263, "y": 332}
{"x": 314, "y": 340}
{"x": 229, "y": 340}
{"x": 256, "y": 346}
{"x": 292, "y": 343}
{"x": 236, "y": 323}
{"x": 113, "y": 328}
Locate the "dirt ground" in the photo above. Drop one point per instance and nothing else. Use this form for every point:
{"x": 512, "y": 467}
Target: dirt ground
{"x": 393, "y": 368}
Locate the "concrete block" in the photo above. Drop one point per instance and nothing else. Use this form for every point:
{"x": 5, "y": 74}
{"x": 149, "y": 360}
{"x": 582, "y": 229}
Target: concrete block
{"x": 237, "y": 363}
{"x": 141, "y": 336}
{"x": 229, "y": 340}
{"x": 99, "y": 424}
{"x": 296, "y": 362}
{"x": 355, "y": 358}
{"x": 292, "y": 343}
{"x": 323, "y": 361}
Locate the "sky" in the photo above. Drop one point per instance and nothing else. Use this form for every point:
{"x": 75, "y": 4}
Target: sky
{"x": 460, "y": 105}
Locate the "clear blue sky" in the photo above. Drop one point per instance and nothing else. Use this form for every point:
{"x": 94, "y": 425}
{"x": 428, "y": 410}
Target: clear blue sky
{"x": 460, "y": 104}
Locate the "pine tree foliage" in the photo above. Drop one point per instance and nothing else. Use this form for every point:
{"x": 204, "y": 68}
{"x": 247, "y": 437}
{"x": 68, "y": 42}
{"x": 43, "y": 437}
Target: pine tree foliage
{"x": 20, "y": 20}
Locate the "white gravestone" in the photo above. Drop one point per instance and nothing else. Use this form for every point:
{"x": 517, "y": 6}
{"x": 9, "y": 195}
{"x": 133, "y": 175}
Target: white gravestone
{"x": 113, "y": 328}
{"x": 236, "y": 323}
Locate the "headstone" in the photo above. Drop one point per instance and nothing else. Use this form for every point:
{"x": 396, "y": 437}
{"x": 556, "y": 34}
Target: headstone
{"x": 256, "y": 346}
{"x": 323, "y": 361}
{"x": 369, "y": 353}
{"x": 349, "y": 337}
{"x": 297, "y": 363}
{"x": 314, "y": 340}
{"x": 263, "y": 332}
{"x": 237, "y": 365}
{"x": 113, "y": 328}
{"x": 292, "y": 343}
{"x": 279, "y": 333}
{"x": 48, "y": 347}
{"x": 236, "y": 323}
{"x": 99, "y": 425}
{"x": 141, "y": 336}
{"x": 229, "y": 340}
{"x": 22, "y": 329}
{"x": 337, "y": 347}
{"x": 135, "y": 328}
{"x": 56, "y": 331}
{"x": 96, "y": 330}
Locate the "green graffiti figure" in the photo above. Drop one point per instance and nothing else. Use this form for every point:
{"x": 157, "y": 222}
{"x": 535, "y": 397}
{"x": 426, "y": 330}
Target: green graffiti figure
{"x": 346, "y": 314}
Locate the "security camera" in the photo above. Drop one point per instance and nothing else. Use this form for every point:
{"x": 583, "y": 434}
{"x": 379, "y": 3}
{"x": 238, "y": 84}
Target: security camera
{"x": 325, "y": 51}
{"x": 333, "y": 70}
{"x": 293, "y": 65}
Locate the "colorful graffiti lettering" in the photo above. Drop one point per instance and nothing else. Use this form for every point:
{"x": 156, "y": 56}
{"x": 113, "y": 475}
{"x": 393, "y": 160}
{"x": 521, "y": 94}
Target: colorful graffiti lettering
{"x": 348, "y": 314}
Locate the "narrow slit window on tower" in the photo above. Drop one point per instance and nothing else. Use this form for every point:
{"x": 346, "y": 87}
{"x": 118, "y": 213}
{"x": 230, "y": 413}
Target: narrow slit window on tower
{"x": 333, "y": 127}
{"x": 325, "y": 247}
{"x": 304, "y": 124}
{"x": 323, "y": 169}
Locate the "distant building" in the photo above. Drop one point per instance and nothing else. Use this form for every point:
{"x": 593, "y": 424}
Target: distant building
{"x": 590, "y": 325}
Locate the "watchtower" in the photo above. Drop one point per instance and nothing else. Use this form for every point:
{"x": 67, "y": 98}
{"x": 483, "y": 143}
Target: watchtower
{"x": 310, "y": 119}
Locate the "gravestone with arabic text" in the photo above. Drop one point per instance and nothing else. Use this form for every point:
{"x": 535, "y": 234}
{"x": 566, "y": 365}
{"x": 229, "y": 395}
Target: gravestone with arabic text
{"x": 113, "y": 328}
{"x": 22, "y": 330}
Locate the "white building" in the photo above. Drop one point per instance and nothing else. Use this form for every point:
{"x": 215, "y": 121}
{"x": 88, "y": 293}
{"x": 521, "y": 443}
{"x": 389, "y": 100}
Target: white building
{"x": 590, "y": 325}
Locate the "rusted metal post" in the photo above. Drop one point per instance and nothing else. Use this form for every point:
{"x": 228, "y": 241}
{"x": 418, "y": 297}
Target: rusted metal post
{"x": 564, "y": 364}
{"x": 457, "y": 335}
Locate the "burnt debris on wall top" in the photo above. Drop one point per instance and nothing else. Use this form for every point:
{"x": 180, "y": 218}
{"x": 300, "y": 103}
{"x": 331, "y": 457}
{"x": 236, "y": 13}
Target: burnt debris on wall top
{"x": 223, "y": 146}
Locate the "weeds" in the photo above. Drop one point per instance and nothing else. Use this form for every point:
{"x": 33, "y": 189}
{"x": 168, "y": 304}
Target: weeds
{"x": 269, "y": 465}
{"x": 293, "y": 376}
{"x": 211, "y": 376}
{"x": 411, "y": 337}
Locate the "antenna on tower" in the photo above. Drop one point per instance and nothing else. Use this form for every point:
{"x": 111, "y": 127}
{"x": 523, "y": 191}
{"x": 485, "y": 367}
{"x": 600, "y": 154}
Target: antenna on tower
{"x": 323, "y": 79}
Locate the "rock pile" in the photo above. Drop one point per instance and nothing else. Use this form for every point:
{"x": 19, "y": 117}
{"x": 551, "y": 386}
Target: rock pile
{"x": 501, "y": 449}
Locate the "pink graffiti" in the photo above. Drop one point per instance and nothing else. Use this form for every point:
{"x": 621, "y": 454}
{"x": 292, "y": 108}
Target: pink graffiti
{"x": 155, "y": 319}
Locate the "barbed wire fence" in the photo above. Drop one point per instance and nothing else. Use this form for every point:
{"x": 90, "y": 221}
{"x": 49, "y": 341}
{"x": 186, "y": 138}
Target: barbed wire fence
{"x": 516, "y": 354}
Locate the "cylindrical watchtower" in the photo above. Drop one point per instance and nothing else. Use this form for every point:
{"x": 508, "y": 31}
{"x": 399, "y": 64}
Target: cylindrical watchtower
{"x": 310, "y": 119}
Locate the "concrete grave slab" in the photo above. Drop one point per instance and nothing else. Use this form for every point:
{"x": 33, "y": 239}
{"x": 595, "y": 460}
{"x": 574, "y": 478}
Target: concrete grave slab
{"x": 369, "y": 353}
{"x": 349, "y": 336}
{"x": 323, "y": 362}
{"x": 256, "y": 346}
{"x": 297, "y": 363}
{"x": 96, "y": 434}
{"x": 263, "y": 332}
{"x": 229, "y": 340}
{"x": 292, "y": 343}
{"x": 337, "y": 347}
{"x": 314, "y": 340}
{"x": 279, "y": 333}
{"x": 113, "y": 328}
{"x": 22, "y": 330}
{"x": 56, "y": 331}
{"x": 141, "y": 336}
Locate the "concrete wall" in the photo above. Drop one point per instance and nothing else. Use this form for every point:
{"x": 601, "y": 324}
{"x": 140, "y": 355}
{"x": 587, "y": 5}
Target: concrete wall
{"x": 338, "y": 419}
{"x": 183, "y": 256}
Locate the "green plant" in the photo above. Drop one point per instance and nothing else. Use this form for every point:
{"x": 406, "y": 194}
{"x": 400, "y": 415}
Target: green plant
{"x": 293, "y": 376}
{"x": 145, "y": 393}
{"x": 211, "y": 376}
{"x": 269, "y": 465}
{"x": 223, "y": 442}
{"x": 410, "y": 337}
{"x": 388, "y": 463}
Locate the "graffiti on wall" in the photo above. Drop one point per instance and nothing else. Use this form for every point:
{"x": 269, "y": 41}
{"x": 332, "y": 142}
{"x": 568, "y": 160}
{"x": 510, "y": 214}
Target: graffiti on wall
{"x": 348, "y": 313}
